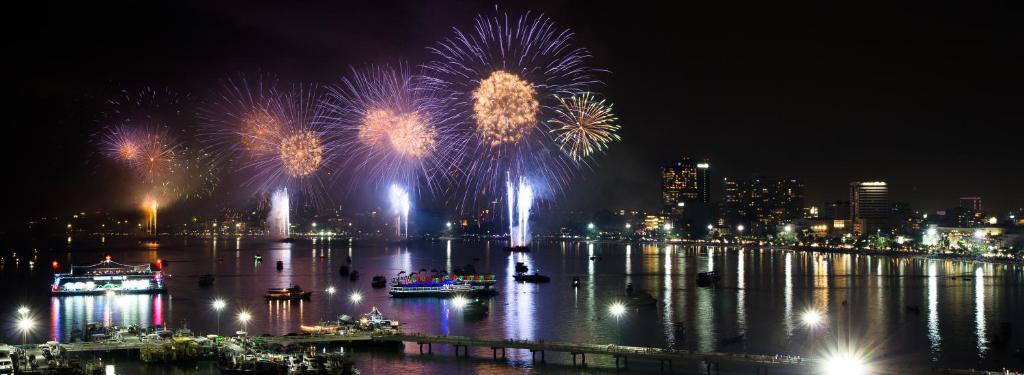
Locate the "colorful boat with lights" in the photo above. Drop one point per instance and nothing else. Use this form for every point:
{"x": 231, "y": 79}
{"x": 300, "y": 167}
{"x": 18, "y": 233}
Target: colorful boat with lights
{"x": 108, "y": 276}
{"x": 445, "y": 286}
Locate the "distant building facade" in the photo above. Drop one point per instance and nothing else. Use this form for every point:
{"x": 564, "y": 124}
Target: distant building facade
{"x": 686, "y": 181}
{"x": 869, "y": 206}
{"x": 761, "y": 204}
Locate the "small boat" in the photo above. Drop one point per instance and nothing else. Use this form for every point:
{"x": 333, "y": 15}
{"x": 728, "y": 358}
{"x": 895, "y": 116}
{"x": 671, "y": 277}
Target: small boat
{"x": 343, "y": 270}
{"x": 639, "y": 299}
{"x": 379, "y": 281}
{"x": 535, "y": 278}
{"x": 280, "y": 265}
{"x": 518, "y": 249}
{"x": 708, "y": 278}
{"x": 348, "y": 259}
{"x": 257, "y": 258}
{"x": 732, "y": 340}
{"x": 290, "y": 293}
{"x": 206, "y": 280}
{"x": 286, "y": 240}
{"x": 354, "y": 276}
{"x": 914, "y": 309}
{"x": 521, "y": 268}
{"x": 475, "y": 306}
{"x": 575, "y": 281}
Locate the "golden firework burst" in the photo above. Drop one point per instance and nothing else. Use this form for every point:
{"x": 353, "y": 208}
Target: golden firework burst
{"x": 584, "y": 125}
{"x": 260, "y": 130}
{"x": 506, "y": 108}
{"x": 410, "y": 136}
{"x": 374, "y": 130}
{"x": 301, "y": 153}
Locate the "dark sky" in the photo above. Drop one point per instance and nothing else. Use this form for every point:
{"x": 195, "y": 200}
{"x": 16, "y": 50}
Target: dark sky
{"x": 927, "y": 97}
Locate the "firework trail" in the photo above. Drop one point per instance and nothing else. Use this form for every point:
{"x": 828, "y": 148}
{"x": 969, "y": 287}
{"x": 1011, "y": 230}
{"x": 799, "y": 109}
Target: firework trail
{"x": 271, "y": 136}
{"x": 502, "y": 80}
{"x": 584, "y": 125}
{"x": 394, "y": 129}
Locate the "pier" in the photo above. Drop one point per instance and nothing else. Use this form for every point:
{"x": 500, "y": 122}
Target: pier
{"x": 461, "y": 344}
{"x": 622, "y": 354}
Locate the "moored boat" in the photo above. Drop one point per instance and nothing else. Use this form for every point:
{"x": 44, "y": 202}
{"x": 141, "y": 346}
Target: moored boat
{"x": 708, "y": 278}
{"x": 108, "y": 276}
{"x": 379, "y": 281}
{"x": 293, "y": 292}
{"x": 534, "y": 278}
{"x": 444, "y": 287}
{"x": 206, "y": 280}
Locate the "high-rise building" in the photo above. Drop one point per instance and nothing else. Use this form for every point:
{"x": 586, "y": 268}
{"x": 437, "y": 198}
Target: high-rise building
{"x": 685, "y": 181}
{"x": 869, "y": 206}
{"x": 970, "y": 203}
{"x": 761, "y": 204}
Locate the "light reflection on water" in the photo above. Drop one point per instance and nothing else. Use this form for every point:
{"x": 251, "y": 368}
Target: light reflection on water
{"x": 760, "y": 296}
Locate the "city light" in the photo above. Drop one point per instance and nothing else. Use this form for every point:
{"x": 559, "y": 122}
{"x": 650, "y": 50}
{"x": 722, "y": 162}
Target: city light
{"x": 711, "y": 227}
{"x": 667, "y": 227}
{"x": 355, "y": 297}
{"x": 590, "y": 226}
{"x": 617, "y": 309}
{"x": 25, "y": 325}
{"x": 459, "y": 302}
{"x": 739, "y": 228}
{"x": 993, "y": 220}
{"x": 244, "y": 317}
{"x": 628, "y": 225}
{"x": 844, "y": 364}
{"x": 219, "y": 305}
{"x": 448, "y": 224}
{"x": 979, "y": 234}
{"x": 331, "y": 290}
{"x": 788, "y": 228}
{"x": 811, "y": 318}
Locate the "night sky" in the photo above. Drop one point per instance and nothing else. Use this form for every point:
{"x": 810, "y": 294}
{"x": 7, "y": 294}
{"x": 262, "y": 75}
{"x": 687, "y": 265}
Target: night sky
{"x": 926, "y": 97}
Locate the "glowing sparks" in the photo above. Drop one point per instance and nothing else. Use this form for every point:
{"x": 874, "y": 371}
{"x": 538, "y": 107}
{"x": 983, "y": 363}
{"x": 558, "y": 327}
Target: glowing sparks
{"x": 505, "y": 107}
{"x": 259, "y": 131}
{"x": 584, "y": 125}
{"x": 375, "y": 127}
{"x": 411, "y": 136}
{"x": 301, "y": 153}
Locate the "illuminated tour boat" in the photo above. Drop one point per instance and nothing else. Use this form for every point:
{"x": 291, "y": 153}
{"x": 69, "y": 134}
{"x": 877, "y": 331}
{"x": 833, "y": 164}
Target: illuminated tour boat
{"x": 443, "y": 286}
{"x": 109, "y": 276}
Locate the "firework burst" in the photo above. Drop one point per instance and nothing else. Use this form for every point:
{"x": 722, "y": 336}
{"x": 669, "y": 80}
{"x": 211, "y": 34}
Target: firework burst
{"x": 501, "y": 80}
{"x": 584, "y": 125}
{"x": 394, "y": 129}
{"x": 270, "y": 136}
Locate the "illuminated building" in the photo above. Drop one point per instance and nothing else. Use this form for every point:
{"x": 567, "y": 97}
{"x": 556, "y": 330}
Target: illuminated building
{"x": 970, "y": 203}
{"x": 687, "y": 181}
{"x": 869, "y": 206}
{"x": 763, "y": 203}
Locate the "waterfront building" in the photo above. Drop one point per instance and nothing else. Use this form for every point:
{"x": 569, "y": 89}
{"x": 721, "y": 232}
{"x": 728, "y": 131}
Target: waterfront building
{"x": 762, "y": 203}
{"x": 869, "y": 206}
{"x": 686, "y": 181}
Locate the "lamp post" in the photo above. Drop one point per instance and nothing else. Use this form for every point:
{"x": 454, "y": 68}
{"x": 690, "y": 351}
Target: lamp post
{"x": 355, "y": 297}
{"x": 243, "y": 317}
{"x": 219, "y": 305}
{"x": 25, "y": 325}
{"x": 330, "y": 298}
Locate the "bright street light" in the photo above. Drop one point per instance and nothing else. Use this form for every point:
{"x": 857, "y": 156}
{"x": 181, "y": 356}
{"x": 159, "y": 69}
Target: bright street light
{"x": 811, "y": 318}
{"x": 355, "y": 297}
{"x": 844, "y": 364}
{"x": 590, "y": 226}
{"x": 617, "y": 309}
{"x": 711, "y": 227}
{"x": 459, "y": 301}
{"x": 331, "y": 290}
{"x": 218, "y": 305}
{"x": 25, "y": 325}
{"x": 739, "y": 227}
{"x": 788, "y": 228}
{"x": 22, "y": 311}
{"x": 243, "y": 317}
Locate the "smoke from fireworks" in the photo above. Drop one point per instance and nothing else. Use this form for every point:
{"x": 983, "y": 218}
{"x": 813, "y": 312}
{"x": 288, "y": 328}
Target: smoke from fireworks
{"x": 584, "y": 125}
{"x": 394, "y": 129}
{"x": 501, "y": 80}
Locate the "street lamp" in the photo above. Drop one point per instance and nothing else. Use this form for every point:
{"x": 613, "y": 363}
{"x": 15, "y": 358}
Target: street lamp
{"x": 811, "y": 318}
{"x": 25, "y": 325}
{"x": 218, "y": 305}
{"x": 243, "y": 317}
{"x": 23, "y": 310}
{"x": 355, "y": 297}
{"x": 788, "y": 228}
{"x": 590, "y": 226}
{"x": 330, "y": 297}
{"x": 617, "y": 309}
{"x": 739, "y": 228}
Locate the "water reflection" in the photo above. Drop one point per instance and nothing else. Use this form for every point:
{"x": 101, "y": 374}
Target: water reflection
{"x": 71, "y": 315}
{"x": 520, "y": 309}
{"x": 787, "y": 295}
{"x": 979, "y": 311}
{"x": 741, "y": 293}
{"x": 933, "y": 309}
